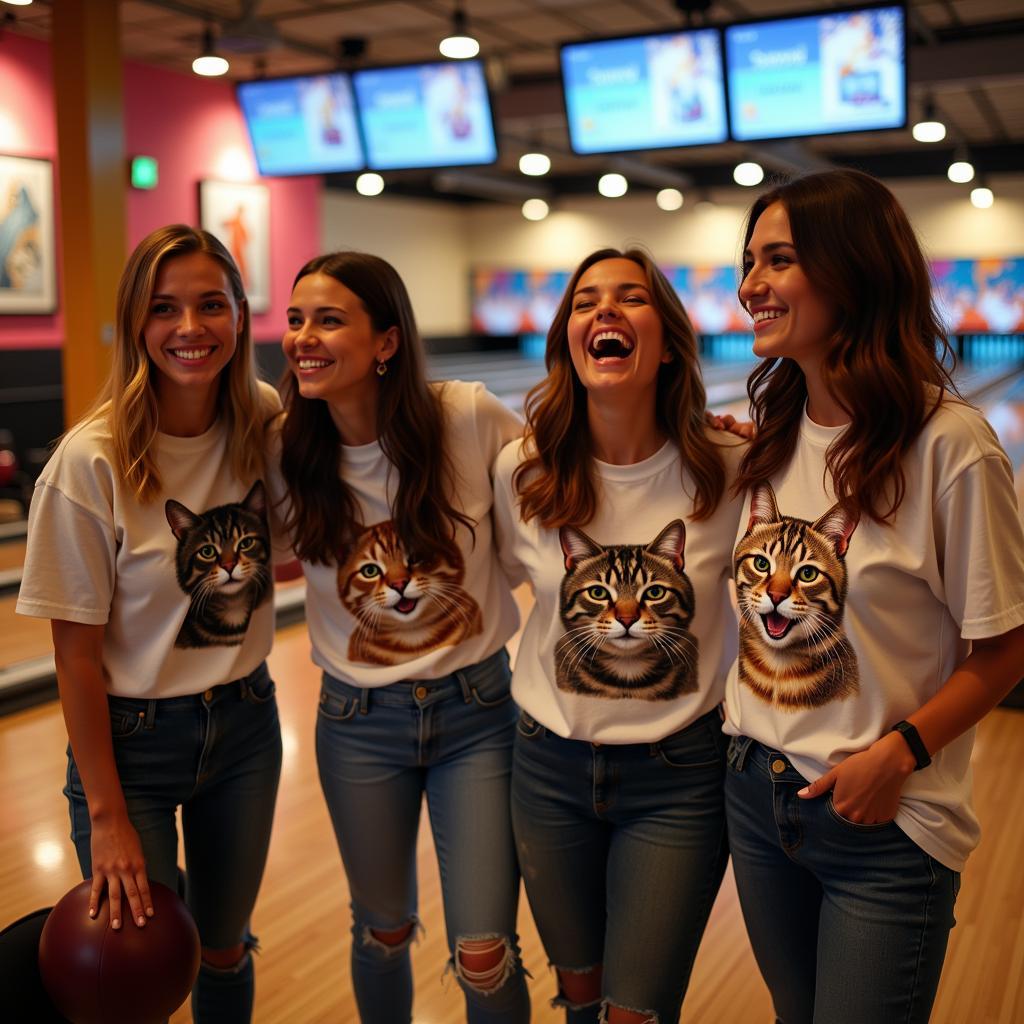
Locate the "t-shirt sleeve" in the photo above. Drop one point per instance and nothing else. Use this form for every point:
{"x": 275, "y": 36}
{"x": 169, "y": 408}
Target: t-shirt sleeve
{"x": 496, "y": 425}
{"x": 980, "y": 541}
{"x": 506, "y": 516}
{"x": 69, "y": 561}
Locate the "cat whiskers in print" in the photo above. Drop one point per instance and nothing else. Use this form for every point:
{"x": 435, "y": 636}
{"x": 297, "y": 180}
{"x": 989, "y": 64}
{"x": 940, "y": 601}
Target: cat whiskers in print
{"x": 403, "y": 609}
{"x": 223, "y": 564}
{"x": 791, "y": 584}
{"x": 627, "y": 610}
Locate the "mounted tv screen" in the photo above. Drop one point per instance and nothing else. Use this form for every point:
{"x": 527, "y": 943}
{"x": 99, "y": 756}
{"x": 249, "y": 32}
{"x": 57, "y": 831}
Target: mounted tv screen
{"x": 426, "y": 115}
{"x": 840, "y": 71}
{"x": 644, "y": 92}
{"x": 302, "y": 125}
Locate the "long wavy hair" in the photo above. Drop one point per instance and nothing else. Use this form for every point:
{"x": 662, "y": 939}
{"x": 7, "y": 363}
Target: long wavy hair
{"x": 410, "y": 428}
{"x": 555, "y": 482}
{"x": 128, "y": 399}
{"x": 856, "y": 245}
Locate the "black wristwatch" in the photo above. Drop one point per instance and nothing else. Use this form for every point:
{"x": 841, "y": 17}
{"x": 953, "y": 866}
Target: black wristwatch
{"x": 916, "y": 744}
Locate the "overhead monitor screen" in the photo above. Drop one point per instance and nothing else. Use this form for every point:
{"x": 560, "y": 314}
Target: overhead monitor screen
{"x": 834, "y": 72}
{"x": 644, "y": 92}
{"x": 302, "y": 125}
{"x": 426, "y": 115}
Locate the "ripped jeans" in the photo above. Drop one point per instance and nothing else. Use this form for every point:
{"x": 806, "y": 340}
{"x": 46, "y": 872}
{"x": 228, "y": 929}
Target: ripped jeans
{"x": 379, "y": 752}
{"x": 622, "y": 849}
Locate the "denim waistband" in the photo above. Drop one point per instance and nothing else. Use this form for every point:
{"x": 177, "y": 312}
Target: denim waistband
{"x": 746, "y": 752}
{"x": 713, "y": 715}
{"x": 236, "y": 689}
{"x": 418, "y": 691}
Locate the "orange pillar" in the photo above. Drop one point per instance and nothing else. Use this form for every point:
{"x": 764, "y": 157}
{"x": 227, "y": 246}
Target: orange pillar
{"x": 91, "y": 186}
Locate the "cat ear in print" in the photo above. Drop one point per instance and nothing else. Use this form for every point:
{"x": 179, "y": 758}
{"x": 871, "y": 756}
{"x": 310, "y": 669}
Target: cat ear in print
{"x": 763, "y": 506}
{"x": 576, "y": 546}
{"x": 838, "y": 525}
{"x": 181, "y": 520}
{"x": 670, "y": 543}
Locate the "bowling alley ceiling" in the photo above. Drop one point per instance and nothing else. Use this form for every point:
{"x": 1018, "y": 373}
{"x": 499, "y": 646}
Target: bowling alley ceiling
{"x": 966, "y": 56}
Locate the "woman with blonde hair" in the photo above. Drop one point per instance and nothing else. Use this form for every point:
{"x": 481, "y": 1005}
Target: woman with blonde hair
{"x": 149, "y": 551}
{"x": 615, "y": 507}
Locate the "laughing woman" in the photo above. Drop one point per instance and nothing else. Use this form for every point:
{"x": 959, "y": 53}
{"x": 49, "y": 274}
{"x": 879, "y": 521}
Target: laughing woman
{"x": 880, "y": 579}
{"x": 613, "y": 507}
{"x": 389, "y": 483}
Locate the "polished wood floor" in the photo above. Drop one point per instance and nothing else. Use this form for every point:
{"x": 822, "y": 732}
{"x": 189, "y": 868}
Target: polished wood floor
{"x": 302, "y": 916}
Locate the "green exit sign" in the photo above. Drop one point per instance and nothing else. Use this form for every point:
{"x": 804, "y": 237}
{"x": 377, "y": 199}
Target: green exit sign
{"x": 145, "y": 172}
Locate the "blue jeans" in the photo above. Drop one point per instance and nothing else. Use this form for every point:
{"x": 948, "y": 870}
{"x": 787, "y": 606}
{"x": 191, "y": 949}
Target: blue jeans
{"x": 622, "y": 849}
{"x": 848, "y": 922}
{"x": 379, "y": 751}
{"x": 217, "y": 755}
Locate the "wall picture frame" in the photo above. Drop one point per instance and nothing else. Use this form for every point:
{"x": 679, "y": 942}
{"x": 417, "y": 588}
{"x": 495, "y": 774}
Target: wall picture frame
{"x": 28, "y": 244}
{"x": 239, "y": 215}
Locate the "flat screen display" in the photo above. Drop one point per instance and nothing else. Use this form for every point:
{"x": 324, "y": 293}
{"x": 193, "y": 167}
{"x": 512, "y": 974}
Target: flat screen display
{"x": 644, "y": 92}
{"x": 426, "y": 115}
{"x": 834, "y": 72}
{"x": 302, "y": 125}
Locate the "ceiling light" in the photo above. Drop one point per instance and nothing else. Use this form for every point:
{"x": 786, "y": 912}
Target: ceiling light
{"x": 535, "y": 209}
{"x": 982, "y": 197}
{"x": 669, "y": 199}
{"x": 960, "y": 171}
{"x": 534, "y": 164}
{"x": 460, "y": 44}
{"x": 748, "y": 174}
{"x": 18, "y": 3}
{"x": 208, "y": 63}
{"x": 369, "y": 184}
{"x": 613, "y": 185}
{"x": 929, "y": 128}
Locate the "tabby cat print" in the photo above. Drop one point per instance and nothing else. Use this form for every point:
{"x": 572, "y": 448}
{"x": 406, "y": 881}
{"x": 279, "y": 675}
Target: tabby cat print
{"x": 402, "y": 609}
{"x": 223, "y": 564}
{"x": 627, "y": 610}
{"x": 791, "y": 588}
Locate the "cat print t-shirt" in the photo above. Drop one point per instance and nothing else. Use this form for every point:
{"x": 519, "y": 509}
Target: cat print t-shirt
{"x": 632, "y": 632}
{"x": 375, "y": 617}
{"x": 847, "y": 627}
{"x": 183, "y": 584}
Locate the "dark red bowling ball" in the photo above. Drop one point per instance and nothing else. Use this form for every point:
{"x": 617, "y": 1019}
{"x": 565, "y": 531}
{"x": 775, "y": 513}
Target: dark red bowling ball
{"x": 96, "y": 975}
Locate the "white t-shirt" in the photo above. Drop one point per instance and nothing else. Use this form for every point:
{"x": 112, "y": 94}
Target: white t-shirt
{"x": 183, "y": 584}
{"x": 632, "y": 633}
{"x": 374, "y": 619}
{"x": 873, "y": 619}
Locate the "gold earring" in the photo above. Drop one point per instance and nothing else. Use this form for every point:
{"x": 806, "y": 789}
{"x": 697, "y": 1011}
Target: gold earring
{"x": 382, "y": 367}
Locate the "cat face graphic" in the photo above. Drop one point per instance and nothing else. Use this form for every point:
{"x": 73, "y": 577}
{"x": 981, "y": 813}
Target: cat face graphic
{"x": 223, "y": 564}
{"x": 626, "y": 610}
{"x": 791, "y": 574}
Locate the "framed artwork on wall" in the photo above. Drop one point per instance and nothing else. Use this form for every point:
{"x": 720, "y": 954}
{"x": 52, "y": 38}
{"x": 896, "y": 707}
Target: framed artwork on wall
{"x": 28, "y": 250}
{"x": 239, "y": 215}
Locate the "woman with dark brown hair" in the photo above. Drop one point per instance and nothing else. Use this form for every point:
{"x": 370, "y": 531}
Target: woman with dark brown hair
{"x": 388, "y": 482}
{"x": 614, "y": 508}
{"x": 880, "y": 581}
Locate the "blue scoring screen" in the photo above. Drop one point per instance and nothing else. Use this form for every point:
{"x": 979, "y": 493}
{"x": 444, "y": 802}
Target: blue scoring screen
{"x": 818, "y": 75}
{"x": 645, "y": 92}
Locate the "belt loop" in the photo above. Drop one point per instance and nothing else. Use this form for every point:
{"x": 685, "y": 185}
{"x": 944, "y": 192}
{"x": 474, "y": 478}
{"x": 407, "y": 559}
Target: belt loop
{"x": 364, "y": 700}
{"x": 739, "y": 751}
{"x": 150, "y": 719}
{"x": 467, "y": 690}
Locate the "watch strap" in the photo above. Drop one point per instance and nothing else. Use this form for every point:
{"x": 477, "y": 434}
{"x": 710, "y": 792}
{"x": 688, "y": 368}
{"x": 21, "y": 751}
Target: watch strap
{"x": 916, "y": 744}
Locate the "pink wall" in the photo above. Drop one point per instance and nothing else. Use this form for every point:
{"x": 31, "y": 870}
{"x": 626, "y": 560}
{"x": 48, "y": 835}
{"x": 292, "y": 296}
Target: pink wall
{"x": 195, "y": 130}
{"x": 28, "y": 127}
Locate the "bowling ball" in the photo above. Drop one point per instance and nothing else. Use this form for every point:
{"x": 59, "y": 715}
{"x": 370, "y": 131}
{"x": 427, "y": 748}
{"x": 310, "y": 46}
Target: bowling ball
{"x": 96, "y": 975}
